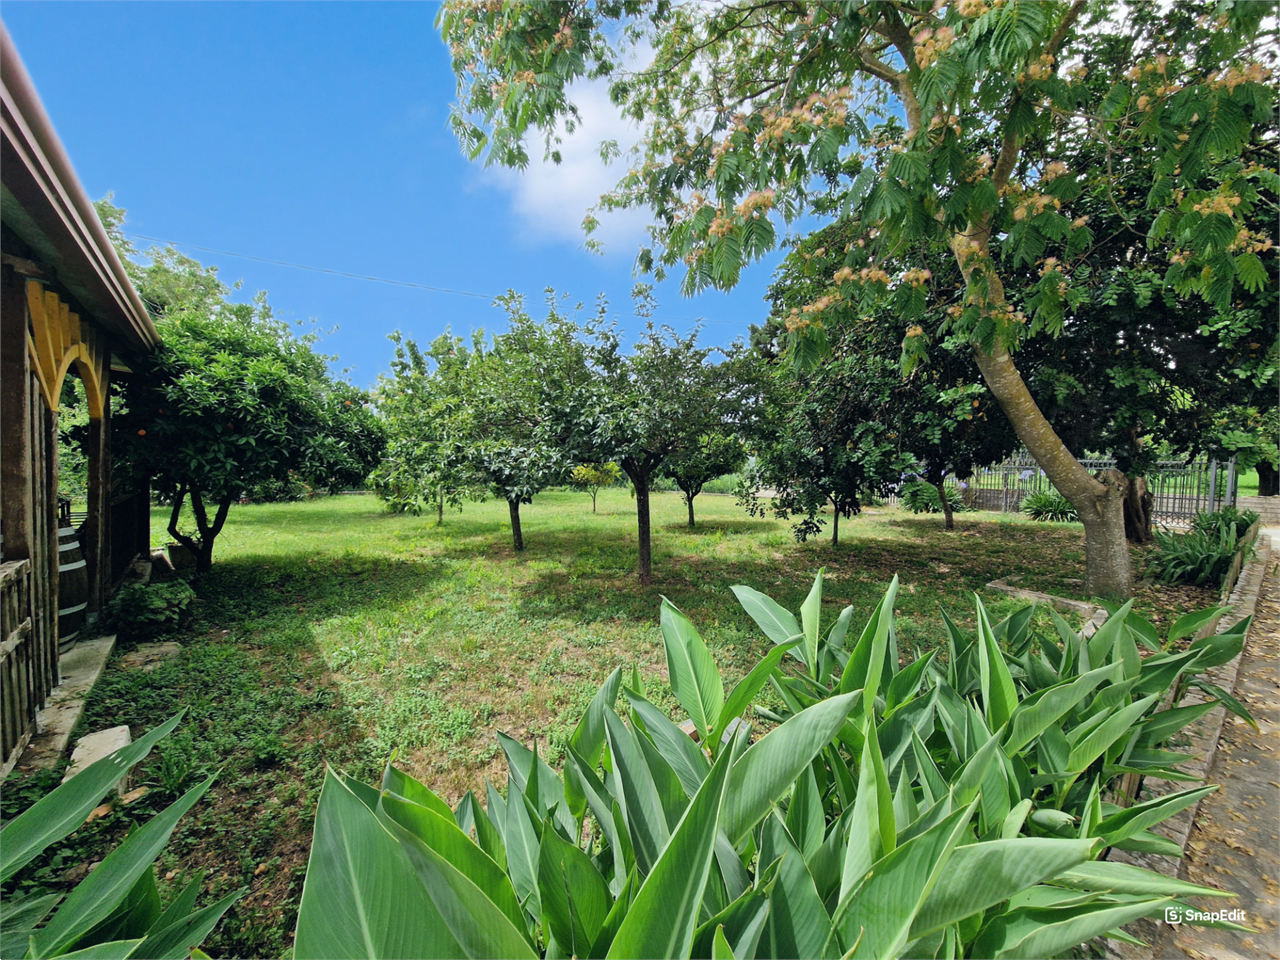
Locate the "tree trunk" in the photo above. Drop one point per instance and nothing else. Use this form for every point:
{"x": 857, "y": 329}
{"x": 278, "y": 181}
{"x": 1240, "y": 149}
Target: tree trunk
{"x": 835, "y": 524}
{"x": 688, "y": 498}
{"x": 1268, "y": 479}
{"x": 1137, "y": 512}
{"x": 945, "y": 504}
{"x": 640, "y": 482}
{"x": 440, "y": 507}
{"x": 1108, "y": 571}
{"x": 593, "y": 500}
{"x": 517, "y": 539}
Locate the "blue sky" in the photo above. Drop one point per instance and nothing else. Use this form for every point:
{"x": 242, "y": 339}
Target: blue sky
{"x": 316, "y": 133}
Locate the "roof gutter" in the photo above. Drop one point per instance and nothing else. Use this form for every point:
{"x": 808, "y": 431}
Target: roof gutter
{"x": 43, "y": 178}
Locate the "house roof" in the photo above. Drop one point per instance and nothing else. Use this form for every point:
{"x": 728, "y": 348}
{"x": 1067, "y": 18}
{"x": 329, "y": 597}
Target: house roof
{"x": 44, "y": 204}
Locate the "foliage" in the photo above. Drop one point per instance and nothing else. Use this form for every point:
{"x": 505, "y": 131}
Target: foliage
{"x": 710, "y": 457}
{"x": 116, "y": 911}
{"x": 594, "y": 477}
{"x": 1203, "y": 555}
{"x": 1217, "y": 521}
{"x": 139, "y": 612}
{"x": 819, "y": 838}
{"x": 1049, "y": 505}
{"x": 920, "y": 497}
{"x": 230, "y": 400}
{"x": 289, "y": 489}
{"x": 989, "y": 132}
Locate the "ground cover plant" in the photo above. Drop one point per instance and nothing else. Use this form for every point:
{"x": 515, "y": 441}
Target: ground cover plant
{"x": 333, "y": 631}
{"x": 886, "y": 816}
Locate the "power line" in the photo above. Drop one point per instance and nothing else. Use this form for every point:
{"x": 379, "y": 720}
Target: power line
{"x": 394, "y": 283}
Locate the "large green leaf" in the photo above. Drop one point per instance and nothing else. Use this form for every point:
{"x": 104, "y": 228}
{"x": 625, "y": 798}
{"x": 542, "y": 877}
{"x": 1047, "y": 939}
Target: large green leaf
{"x": 745, "y": 689}
{"x": 980, "y": 875}
{"x": 176, "y": 940}
{"x": 1090, "y": 747}
{"x": 797, "y": 924}
{"x": 810, "y": 622}
{"x": 694, "y": 676}
{"x": 575, "y": 898}
{"x": 999, "y": 696}
{"x": 1035, "y": 933}
{"x": 19, "y": 920}
{"x": 477, "y": 927}
{"x": 766, "y": 772}
{"x": 588, "y": 739}
{"x": 64, "y": 809}
{"x": 866, "y": 838}
{"x": 402, "y": 785}
{"x": 878, "y": 913}
{"x": 642, "y": 807}
{"x": 676, "y": 747}
{"x": 779, "y": 625}
{"x": 361, "y": 896}
{"x": 523, "y": 843}
{"x": 664, "y": 915}
{"x": 525, "y": 767}
{"x": 1125, "y": 878}
{"x": 1133, "y": 820}
{"x": 445, "y": 837}
{"x": 1032, "y": 717}
{"x": 95, "y": 897}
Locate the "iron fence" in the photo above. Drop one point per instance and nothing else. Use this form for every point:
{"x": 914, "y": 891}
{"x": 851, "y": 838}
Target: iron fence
{"x": 1179, "y": 488}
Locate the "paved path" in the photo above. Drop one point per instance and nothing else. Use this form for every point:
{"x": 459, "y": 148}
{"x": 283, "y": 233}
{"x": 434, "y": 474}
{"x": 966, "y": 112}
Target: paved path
{"x": 1235, "y": 842}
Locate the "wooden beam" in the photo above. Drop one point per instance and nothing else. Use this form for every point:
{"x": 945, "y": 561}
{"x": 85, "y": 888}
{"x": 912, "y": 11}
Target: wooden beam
{"x": 15, "y": 418}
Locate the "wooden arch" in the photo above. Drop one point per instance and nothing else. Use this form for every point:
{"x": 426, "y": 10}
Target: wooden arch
{"x": 57, "y": 340}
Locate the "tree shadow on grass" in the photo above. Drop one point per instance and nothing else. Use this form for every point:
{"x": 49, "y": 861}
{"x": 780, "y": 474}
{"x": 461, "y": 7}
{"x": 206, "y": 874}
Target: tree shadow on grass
{"x": 710, "y": 527}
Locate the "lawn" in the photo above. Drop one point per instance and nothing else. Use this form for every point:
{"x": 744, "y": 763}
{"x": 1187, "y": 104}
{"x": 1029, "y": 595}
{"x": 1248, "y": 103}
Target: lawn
{"x": 331, "y": 631}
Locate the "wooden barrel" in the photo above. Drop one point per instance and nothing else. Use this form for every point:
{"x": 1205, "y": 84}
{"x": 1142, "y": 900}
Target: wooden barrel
{"x": 73, "y": 588}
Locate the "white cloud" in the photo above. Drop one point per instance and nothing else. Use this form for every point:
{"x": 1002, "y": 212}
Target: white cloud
{"x": 551, "y": 199}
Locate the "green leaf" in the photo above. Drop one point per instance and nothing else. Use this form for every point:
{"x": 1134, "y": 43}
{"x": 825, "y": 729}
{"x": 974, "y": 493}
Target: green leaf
{"x": 767, "y": 770}
{"x": 1190, "y": 624}
{"x": 642, "y": 808}
{"x": 981, "y": 875}
{"x": 21, "y": 915}
{"x": 111, "y": 950}
{"x": 1033, "y": 716}
{"x": 477, "y": 927}
{"x": 1132, "y": 820}
{"x": 878, "y": 914}
{"x": 95, "y": 897}
{"x": 402, "y": 785}
{"x": 177, "y": 940}
{"x": 1047, "y": 933}
{"x": 999, "y": 697}
{"x": 1105, "y": 734}
{"x": 746, "y": 689}
{"x": 866, "y": 833}
{"x": 575, "y": 898}
{"x": 1163, "y": 724}
{"x": 444, "y": 836}
{"x": 1227, "y": 700}
{"x": 695, "y": 679}
{"x": 720, "y": 949}
{"x": 677, "y": 748}
{"x": 64, "y": 809}
{"x": 662, "y": 919}
{"x": 361, "y": 896}
{"x": 1124, "y": 878}
{"x": 779, "y": 625}
{"x": 588, "y": 739}
{"x": 797, "y": 924}
{"x": 810, "y": 621}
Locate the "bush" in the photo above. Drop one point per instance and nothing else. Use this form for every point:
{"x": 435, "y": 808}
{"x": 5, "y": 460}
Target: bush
{"x": 884, "y": 815}
{"x": 1050, "y": 506}
{"x": 141, "y": 612}
{"x": 1197, "y": 557}
{"x": 921, "y": 497}
{"x": 290, "y": 489}
{"x": 1218, "y": 521}
{"x": 116, "y": 908}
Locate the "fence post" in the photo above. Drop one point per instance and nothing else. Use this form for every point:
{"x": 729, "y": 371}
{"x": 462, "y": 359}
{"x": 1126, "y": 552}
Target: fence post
{"x": 1213, "y": 487}
{"x": 1229, "y": 493}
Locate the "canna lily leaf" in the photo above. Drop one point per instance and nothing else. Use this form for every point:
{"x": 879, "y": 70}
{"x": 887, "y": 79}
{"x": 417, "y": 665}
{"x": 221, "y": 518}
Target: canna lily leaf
{"x": 695, "y": 678}
{"x": 746, "y": 689}
{"x": 810, "y": 617}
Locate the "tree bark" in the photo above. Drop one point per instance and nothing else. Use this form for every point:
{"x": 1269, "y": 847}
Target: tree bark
{"x": 440, "y": 507}
{"x": 594, "y": 491}
{"x": 640, "y": 481}
{"x": 835, "y": 524}
{"x": 1137, "y": 512}
{"x": 945, "y": 504}
{"x": 689, "y": 500}
{"x": 1268, "y": 480}
{"x": 1108, "y": 570}
{"x": 517, "y": 539}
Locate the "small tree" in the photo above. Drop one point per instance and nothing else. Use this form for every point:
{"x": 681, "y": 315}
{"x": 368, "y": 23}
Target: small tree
{"x": 594, "y": 477}
{"x": 713, "y": 455}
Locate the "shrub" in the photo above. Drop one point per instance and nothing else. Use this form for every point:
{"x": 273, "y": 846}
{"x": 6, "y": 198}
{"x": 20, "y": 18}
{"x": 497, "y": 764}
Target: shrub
{"x": 594, "y": 477}
{"x": 921, "y": 497}
{"x": 143, "y": 611}
{"x": 1197, "y": 557}
{"x": 1219, "y": 520}
{"x": 1049, "y": 505}
{"x": 116, "y": 909}
{"x": 289, "y": 489}
{"x": 884, "y": 815}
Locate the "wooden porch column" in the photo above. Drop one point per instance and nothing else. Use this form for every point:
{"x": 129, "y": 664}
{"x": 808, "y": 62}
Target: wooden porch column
{"x": 15, "y": 419}
{"x": 96, "y": 536}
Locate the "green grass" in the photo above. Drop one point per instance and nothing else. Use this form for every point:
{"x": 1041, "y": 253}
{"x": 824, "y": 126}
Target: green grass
{"x": 331, "y": 631}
